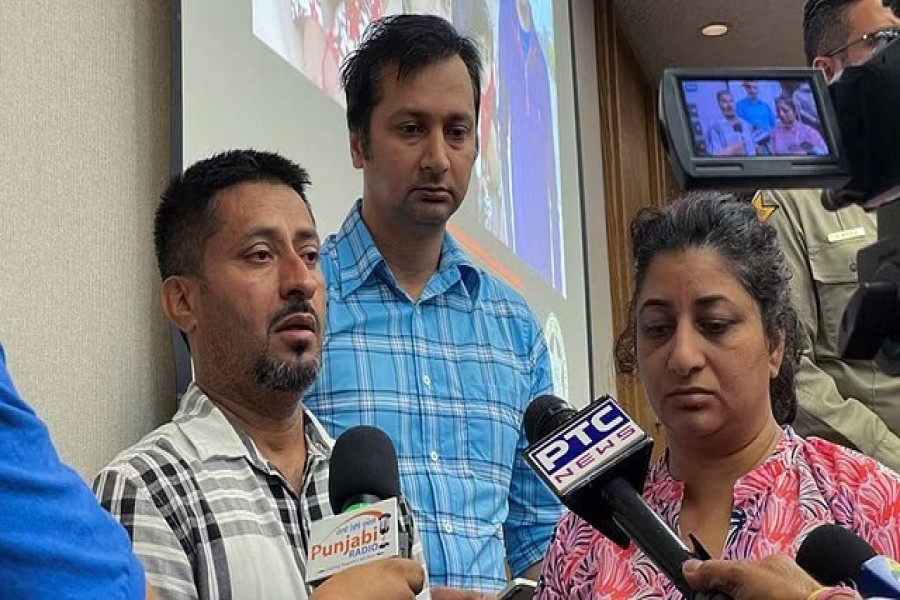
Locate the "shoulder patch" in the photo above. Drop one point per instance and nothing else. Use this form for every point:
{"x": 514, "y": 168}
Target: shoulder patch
{"x": 763, "y": 210}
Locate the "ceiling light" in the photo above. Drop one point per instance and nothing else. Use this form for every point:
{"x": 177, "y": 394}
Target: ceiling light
{"x": 715, "y": 29}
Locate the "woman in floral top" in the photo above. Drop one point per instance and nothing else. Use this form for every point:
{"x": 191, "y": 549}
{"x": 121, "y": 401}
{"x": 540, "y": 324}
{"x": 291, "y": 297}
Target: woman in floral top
{"x": 714, "y": 339}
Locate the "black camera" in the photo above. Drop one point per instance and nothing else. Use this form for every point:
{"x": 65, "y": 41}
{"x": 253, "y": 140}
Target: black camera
{"x": 846, "y": 140}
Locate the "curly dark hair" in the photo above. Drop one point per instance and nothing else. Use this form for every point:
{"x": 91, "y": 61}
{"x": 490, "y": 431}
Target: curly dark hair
{"x": 749, "y": 247}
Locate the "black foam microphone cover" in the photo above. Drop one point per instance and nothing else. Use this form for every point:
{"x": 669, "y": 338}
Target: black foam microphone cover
{"x": 363, "y": 464}
{"x": 543, "y": 415}
{"x": 833, "y": 555}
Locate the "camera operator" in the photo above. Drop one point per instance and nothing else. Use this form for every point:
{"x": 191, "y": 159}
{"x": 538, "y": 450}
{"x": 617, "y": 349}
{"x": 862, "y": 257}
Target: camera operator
{"x": 848, "y": 402}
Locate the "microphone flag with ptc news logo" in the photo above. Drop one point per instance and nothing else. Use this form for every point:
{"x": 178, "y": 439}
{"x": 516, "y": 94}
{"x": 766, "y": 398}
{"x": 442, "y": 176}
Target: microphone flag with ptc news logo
{"x": 595, "y": 440}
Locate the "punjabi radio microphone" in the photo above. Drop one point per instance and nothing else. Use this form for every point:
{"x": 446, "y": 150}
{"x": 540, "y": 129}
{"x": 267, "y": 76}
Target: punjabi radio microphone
{"x": 595, "y": 461}
{"x": 833, "y": 555}
{"x": 364, "y": 489}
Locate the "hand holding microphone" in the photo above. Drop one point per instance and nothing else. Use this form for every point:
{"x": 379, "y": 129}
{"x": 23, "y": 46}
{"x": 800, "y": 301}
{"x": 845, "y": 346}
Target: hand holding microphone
{"x": 834, "y": 556}
{"x": 388, "y": 579}
{"x": 362, "y": 549}
{"x": 829, "y": 556}
{"x": 772, "y": 578}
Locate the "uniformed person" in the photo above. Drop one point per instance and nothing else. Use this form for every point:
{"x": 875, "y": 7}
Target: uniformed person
{"x": 849, "y": 402}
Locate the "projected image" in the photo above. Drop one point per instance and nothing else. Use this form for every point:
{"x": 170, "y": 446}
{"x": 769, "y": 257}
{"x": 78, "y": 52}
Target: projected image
{"x": 516, "y": 178}
{"x": 753, "y": 118}
{"x": 315, "y": 35}
{"x": 526, "y": 122}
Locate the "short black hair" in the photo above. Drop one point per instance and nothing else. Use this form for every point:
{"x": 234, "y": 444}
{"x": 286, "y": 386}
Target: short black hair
{"x": 186, "y": 216}
{"x": 825, "y": 26}
{"x": 408, "y": 43}
{"x": 730, "y": 227}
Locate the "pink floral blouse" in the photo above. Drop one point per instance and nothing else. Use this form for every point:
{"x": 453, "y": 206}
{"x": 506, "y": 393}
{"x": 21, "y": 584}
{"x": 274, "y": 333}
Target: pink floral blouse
{"x": 803, "y": 484}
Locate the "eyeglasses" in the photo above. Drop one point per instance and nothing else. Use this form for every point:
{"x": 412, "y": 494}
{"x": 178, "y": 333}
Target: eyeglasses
{"x": 877, "y": 40}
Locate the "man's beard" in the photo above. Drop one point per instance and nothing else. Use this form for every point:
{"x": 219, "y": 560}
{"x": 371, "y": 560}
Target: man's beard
{"x": 288, "y": 376}
{"x": 284, "y": 376}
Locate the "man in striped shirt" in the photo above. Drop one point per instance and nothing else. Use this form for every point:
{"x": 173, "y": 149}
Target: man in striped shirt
{"x": 218, "y": 502}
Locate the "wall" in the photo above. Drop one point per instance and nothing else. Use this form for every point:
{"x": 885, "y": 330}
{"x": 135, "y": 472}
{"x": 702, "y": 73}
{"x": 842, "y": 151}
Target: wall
{"x": 84, "y": 90}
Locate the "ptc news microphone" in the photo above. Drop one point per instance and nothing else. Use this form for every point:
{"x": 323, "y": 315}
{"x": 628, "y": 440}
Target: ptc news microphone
{"x": 596, "y": 460}
{"x": 834, "y": 555}
{"x": 364, "y": 487}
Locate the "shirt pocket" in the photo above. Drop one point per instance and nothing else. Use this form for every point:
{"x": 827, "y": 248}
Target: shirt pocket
{"x": 493, "y": 423}
{"x": 834, "y": 271}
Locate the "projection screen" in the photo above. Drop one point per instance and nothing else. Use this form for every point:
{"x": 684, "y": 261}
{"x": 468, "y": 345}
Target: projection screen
{"x": 264, "y": 74}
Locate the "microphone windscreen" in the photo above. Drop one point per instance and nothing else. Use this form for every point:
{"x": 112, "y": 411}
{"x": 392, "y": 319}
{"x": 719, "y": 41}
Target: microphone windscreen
{"x": 363, "y": 461}
{"x": 544, "y": 415}
{"x": 833, "y": 555}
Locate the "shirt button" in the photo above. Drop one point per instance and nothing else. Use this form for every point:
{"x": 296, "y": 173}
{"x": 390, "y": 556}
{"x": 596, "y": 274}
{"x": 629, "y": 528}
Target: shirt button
{"x": 434, "y": 456}
{"x": 448, "y": 527}
{"x": 853, "y": 266}
{"x": 426, "y": 380}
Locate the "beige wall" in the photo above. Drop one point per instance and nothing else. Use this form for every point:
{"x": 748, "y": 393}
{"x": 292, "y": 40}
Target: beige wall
{"x": 84, "y": 123}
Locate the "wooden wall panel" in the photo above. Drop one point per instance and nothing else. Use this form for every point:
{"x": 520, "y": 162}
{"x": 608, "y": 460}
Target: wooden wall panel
{"x": 635, "y": 175}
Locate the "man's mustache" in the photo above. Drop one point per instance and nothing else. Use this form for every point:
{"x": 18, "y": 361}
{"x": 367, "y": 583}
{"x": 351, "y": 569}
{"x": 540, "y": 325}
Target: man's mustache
{"x": 295, "y": 305}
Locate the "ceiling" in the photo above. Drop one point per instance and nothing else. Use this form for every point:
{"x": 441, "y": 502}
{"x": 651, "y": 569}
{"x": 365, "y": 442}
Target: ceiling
{"x": 666, "y": 33}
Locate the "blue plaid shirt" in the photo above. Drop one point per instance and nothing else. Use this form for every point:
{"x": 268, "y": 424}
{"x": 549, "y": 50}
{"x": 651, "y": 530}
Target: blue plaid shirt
{"x": 448, "y": 377}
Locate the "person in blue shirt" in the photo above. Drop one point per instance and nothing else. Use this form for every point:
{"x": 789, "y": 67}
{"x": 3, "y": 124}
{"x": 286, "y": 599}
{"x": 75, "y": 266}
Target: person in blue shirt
{"x": 55, "y": 540}
{"x": 420, "y": 341}
{"x": 758, "y": 113}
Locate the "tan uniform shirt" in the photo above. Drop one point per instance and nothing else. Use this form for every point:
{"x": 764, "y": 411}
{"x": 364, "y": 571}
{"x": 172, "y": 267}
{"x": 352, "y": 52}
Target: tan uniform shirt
{"x": 846, "y": 401}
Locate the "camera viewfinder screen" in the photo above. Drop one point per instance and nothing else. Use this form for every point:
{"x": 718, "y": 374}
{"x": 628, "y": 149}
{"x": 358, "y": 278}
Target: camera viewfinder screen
{"x": 755, "y": 118}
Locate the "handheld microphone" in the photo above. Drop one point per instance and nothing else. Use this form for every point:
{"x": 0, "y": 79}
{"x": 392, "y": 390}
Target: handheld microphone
{"x": 363, "y": 469}
{"x": 596, "y": 460}
{"x": 363, "y": 487}
{"x": 834, "y": 555}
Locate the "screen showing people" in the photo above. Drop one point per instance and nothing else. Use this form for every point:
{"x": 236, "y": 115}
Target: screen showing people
{"x": 753, "y": 118}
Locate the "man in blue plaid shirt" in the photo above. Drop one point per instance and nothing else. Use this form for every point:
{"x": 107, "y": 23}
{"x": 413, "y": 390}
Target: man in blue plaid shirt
{"x": 421, "y": 342}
